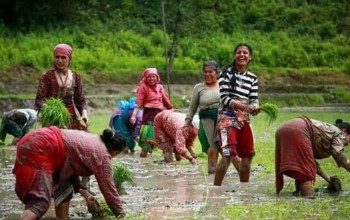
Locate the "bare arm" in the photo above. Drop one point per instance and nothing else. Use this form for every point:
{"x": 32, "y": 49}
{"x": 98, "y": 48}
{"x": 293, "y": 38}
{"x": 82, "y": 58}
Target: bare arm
{"x": 321, "y": 173}
{"x": 341, "y": 160}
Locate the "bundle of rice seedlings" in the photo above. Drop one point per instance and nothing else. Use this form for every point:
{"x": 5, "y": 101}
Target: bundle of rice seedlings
{"x": 202, "y": 155}
{"x": 122, "y": 174}
{"x": 106, "y": 210}
{"x": 54, "y": 113}
{"x": 271, "y": 110}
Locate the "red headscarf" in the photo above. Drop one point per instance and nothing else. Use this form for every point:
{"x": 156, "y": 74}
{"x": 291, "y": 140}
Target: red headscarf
{"x": 63, "y": 49}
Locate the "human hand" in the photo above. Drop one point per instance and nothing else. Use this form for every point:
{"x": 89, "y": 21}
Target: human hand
{"x": 235, "y": 105}
{"x": 193, "y": 154}
{"x": 255, "y": 111}
{"x": 193, "y": 161}
{"x": 94, "y": 207}
{"x": 334, "y": 184}
{"x": 132, "y": 120}
{"x": 84, "y": 120}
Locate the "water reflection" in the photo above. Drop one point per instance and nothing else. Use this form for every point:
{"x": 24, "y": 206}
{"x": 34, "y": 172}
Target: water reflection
{"x": 161, "y": 191}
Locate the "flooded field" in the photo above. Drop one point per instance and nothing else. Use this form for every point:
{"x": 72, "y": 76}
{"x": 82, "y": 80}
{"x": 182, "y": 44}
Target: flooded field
{"x": 162, "y": 191}
{"x": 183, "y": 191}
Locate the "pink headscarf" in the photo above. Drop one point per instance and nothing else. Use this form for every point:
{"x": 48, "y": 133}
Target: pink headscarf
{"x": 148, "y": 72}
{"x": 63, "y": 49}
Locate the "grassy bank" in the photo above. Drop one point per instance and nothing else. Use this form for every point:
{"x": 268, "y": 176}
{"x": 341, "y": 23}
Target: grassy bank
{"x": 110, "y": 56}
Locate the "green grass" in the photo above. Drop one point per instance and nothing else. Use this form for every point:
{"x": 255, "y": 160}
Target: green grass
{"x": 319, "y": 208}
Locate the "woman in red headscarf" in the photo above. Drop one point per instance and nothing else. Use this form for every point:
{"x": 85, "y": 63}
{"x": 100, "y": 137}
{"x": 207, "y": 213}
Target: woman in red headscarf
{"x": 61, "y": 82}
{"x": 151, "y": 98}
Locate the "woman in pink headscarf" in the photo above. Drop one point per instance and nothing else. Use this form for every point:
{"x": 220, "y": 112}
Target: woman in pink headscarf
{"x": 65, "y": 84}
{"x": 151, "y": 98}
{"x": 61, "y": 82}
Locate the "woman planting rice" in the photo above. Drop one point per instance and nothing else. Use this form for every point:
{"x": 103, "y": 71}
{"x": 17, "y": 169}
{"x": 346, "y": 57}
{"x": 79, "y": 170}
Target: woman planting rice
{"x": 302, "y": 141}
{"x": 50, "y": 157}
{"x": 173, "y": 138}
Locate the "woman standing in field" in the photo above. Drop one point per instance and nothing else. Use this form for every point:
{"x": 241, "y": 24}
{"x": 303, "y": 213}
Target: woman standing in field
{"x": 65, "y": 84}
{"x": 206, "y": 98}
{"x": 49, "y": 156}
{"x": 239, "y": 98}
{"x": 151, "y": 98}
{"x": 302, "y": 141}
{"x": 61, "y": 82}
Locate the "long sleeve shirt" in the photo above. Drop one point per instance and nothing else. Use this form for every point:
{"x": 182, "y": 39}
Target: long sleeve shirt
{"x": 153, "y": 97}
{"x": 328, "y": 141}
{"x": 88, "y": 155}
{"x": 203, "y": 97}
{"x": 71, "y": 93}
{"x": 238, "y": 85}
{"x": 170, "y": 124}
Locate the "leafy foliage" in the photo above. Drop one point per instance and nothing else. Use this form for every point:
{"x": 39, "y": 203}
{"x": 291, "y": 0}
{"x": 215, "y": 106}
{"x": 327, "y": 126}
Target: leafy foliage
{"x": 114, "y": 37}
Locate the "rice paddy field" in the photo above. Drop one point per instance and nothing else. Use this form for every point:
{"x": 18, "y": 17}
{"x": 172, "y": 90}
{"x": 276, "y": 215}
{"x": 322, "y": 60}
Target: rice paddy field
{"x": 184, "y": 191}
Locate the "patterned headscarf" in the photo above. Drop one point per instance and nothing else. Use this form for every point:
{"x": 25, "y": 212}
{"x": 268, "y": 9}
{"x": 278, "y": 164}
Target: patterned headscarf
{"x": 63, "y": 49}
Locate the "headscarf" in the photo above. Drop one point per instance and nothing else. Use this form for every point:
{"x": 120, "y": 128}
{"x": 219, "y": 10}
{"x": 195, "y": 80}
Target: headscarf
{"x": 148, "y": 72}
{"x": 122, "y": 104}
{"x": 132, "y": 101}
{"x": 63, "y": 49}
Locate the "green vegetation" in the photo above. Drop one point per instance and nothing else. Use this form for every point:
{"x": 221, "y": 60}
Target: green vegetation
{"x": 54, "y": 113}
{"x": 121, "y": 175}
{"x": 271, "y": 110}
{"x": 114, "y": 41}
{"x": 319, "y": 208}
{"x": 294, "y": 43}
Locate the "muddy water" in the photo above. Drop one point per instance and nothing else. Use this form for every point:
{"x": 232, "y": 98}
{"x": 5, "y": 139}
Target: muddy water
{"x": 162, "y": 191}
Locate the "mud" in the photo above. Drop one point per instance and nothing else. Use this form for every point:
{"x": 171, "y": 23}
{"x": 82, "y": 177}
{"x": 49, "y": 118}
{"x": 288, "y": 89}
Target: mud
{"x": 162, "y": 191}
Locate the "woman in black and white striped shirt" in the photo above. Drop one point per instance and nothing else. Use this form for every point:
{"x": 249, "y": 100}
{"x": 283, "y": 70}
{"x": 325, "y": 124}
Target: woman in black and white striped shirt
{"x": 238, "y": 98}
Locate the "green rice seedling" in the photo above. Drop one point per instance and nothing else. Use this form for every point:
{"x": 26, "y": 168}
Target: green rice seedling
{"x": 122, "y": 174}
{"x": 108, "y": 214}
{"x": 202, "y": 155}
{"x": 54, "y": 113}
{"x": 271, "y": 110}
{"x": 106, "y": 210}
